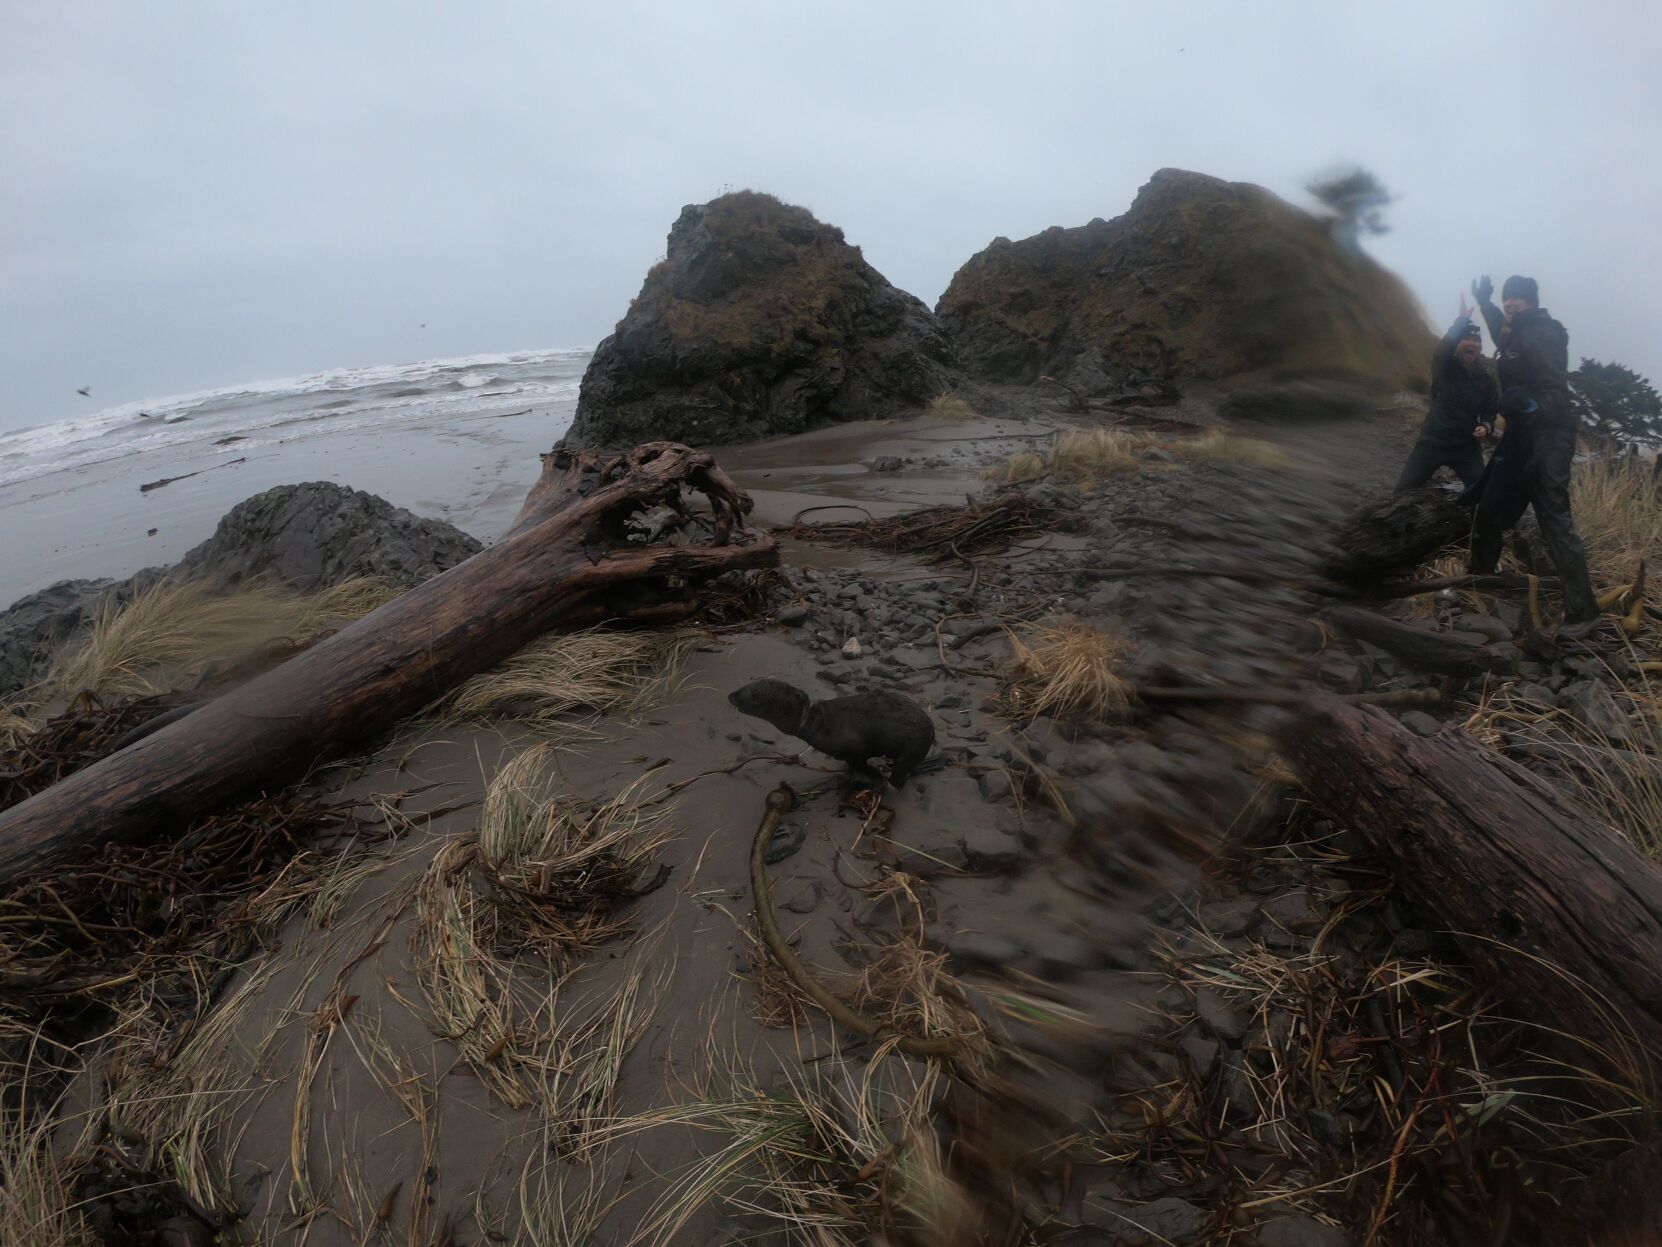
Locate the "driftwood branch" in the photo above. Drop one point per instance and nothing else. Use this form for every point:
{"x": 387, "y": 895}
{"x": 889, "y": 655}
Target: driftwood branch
{"x": 569, "y": 559}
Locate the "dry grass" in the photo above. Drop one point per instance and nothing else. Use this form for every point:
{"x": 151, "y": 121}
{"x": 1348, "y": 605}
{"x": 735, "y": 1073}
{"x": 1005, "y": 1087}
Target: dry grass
{"x": 170, "y": 632}
{"x": 1620, "y": 785}
{"x": 1089, "y": 455}
{"x": 949, "y": 407}
{"x": 1619, "y": 515}
{"x": 1380, "y": 1083}
{"x": 1067, "y": 670}
{"x": 37, "y": 1188}
{"x": 502, "y": 918}
{"x": 834, "y": 1156}
{"x": 600, "y": 670}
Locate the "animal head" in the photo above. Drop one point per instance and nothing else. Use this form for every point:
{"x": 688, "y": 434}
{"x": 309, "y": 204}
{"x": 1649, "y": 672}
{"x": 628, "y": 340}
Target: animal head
{"x": 773, "y": 701}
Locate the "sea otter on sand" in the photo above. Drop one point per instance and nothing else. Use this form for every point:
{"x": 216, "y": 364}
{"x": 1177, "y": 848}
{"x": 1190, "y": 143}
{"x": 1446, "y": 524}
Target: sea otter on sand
{"x": 852, "y": 729}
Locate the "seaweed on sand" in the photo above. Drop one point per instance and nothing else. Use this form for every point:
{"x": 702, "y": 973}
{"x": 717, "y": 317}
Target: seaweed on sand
{"x": 939, "y": 534}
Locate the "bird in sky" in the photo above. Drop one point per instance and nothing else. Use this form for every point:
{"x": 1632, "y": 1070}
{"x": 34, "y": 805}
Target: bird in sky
{"x": 85, "y": 391}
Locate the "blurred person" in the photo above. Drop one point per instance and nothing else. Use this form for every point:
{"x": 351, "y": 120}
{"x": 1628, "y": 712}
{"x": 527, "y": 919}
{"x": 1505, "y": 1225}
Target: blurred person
{"x": 1464, "y": 399}
{"x": 1532, "y": 356}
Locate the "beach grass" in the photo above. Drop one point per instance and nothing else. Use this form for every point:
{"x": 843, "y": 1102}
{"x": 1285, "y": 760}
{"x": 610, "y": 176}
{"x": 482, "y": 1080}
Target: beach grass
{"x": 1086, "y": 456}
{"x": 1067, "y": 669}
{"x": 598, "y": 670}
{"x": 949, "y": 406}
{"x": 172, "y": 631}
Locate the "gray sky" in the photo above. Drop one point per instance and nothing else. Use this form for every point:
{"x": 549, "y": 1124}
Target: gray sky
{"x": 195, "y": 194}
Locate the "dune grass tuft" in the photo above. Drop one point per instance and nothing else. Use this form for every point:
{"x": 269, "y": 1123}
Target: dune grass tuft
{"x": 504, "y": 916}
{"x": 601, "y": 670}
{"x": 1066, "y": 670}
{"x": 169, "y": 631}
{"x": 1618, "y": 511}
{"x": 949, "y": 406}
{"x": 1088, "y": 455}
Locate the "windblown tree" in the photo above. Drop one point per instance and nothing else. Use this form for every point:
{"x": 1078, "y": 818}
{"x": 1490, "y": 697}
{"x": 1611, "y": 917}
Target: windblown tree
{"x": 1616, "y": 402}
{"x": 1355, "y": 200}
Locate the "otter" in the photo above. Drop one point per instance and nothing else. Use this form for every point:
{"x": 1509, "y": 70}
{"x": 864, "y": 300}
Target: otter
{"x": 852, "y": 729}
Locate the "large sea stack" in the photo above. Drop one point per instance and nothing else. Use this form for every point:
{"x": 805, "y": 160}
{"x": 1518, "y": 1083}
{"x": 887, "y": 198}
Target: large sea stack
{"x": 759, "y": 320}
{"x": 1202, "y": 279}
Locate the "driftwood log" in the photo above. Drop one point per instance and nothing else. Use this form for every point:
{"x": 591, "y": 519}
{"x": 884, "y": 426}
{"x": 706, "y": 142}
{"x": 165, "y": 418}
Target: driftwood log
{"x": 1441, "y": 652}
{"x": 569, "y": 559}
{"x": 1561, "y": 914}
{"x": 1396, "y": 535}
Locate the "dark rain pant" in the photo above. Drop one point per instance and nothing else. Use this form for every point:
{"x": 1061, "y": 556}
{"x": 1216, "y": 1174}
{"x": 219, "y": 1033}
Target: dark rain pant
{"x": 1425, "y": 459}
{"x": 1546, "y": 487}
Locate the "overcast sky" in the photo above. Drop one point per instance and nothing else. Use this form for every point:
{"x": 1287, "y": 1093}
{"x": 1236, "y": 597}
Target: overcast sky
{"x": 195, "y": 194}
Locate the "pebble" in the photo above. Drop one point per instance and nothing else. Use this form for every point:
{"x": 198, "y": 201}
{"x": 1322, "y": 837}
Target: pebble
{"x": 1219, "y": 1014}
{"x": 980, "y": 950}
{"x": 1169, "y": 1220}
{"x": 1419, "y": 722}
{"x": 988, "y": 848}
{"x": 1590, "y": 702}
{"x": 793, "y": 616}
{"x": 1201, "y": 1053}
{"x": 852, "y": 647}
{"x": 1294, "y": 911}
{"x": 1230, "y": 918}
{"x": 995, "y": 785}
{"x": 787, "y": 840}
{"x": 1300, "y": 1231}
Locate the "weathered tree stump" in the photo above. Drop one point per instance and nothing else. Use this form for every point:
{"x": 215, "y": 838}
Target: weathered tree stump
{"x": 568, "y": 560}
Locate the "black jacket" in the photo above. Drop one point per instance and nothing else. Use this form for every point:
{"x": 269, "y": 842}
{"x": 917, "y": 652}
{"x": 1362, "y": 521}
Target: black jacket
{"x": 1461, "y": 398}
{"x": 1533, "y": 352}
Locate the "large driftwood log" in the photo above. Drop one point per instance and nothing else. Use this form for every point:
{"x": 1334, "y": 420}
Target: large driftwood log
{"x": 1396, "y": 535}
{"x": 1429, "y": 651}
{"x": 567, "y": 560}
{"x": 1562, "y": 914}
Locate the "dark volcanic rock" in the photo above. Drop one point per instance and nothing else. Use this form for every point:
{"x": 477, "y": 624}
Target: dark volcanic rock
{"x": 35, "y": 625}
{"x": 319, "y": 533}
{"x": 309, "y": 536}
{"x": 759, "y": 320}
{"x": 1201, "y": 278}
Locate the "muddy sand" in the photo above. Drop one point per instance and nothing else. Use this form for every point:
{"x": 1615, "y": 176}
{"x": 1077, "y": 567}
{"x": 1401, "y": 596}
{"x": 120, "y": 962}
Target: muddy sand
{"x": 427, "y": 1050}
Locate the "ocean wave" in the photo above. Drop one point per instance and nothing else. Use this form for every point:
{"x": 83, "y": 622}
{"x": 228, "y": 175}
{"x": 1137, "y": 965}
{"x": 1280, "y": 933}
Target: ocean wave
{"x": 356, "y": 397}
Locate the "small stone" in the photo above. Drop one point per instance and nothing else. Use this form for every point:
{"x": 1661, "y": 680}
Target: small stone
{"x": 885, "y": 463}
{"x": 1535, "y": 696}
{"x": 1590, "y": 702}
{"x": 1168, "y": 1220}
{"x": 1061, "y": 957}
{"x": 1294, "y": 911}
{"x": 1219, "y": 1014}
{"x": 793, "y": 616}
{"x": 1201, "y": 1053}
{"x": 805, "y": 899}
{"x": 995, "y": 785}
{"x": 1300, "y": 1231}
{"x": 1158, "y": 454}
{"x": 787, "y": 840}
{"x": 1334, "y": 1127}
{"x": 1420, "y": 722}
{"x": 852, "y": 647}
{"x": 979, "y": 950}
{"x": 1230, "y": 918}
{"x": 988, "y": 848}
{"x": 1488, "y": 626}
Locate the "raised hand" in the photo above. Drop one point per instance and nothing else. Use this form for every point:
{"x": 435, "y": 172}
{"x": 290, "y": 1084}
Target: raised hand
{"x": 1465, "y": 309}
{"x": 1483, "y": 289}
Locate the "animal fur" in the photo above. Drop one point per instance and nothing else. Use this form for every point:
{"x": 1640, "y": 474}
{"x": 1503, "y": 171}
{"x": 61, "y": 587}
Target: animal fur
{"x": 853, "y": 729}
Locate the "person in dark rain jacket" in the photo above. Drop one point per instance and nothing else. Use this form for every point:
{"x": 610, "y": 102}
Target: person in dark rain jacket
{"x": 1464, "y": 398}
{"x": 1532, "y": 356}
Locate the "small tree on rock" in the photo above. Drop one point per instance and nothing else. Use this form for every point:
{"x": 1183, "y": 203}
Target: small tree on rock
{"x": 1355, "y": 201}
{"x": 1616, "y": 402}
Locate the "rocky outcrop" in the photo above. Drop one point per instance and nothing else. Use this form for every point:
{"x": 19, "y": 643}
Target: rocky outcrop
{"x": 320, "y": 533}
{"x": 1201, "y": 279}
{"x": 759, "y": 320}
{"x": 308, "y": 536}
